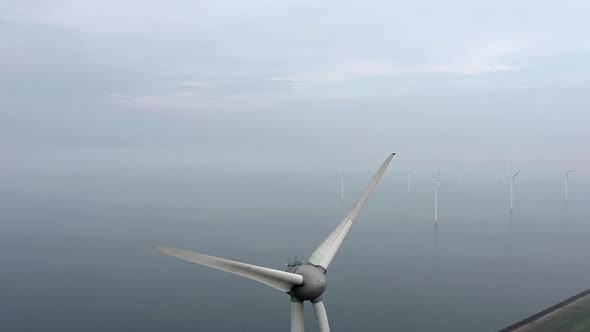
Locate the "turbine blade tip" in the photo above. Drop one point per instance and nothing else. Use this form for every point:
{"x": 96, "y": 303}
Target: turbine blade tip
{"x": 161, "y": 249}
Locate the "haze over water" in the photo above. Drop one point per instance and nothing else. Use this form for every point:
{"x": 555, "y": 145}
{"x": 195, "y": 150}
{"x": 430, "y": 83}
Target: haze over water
{"x": 221, "y": 127}
{"x": 77, "y": 249}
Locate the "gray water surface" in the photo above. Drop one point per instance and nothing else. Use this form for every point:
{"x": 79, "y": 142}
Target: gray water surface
{"x": 77, "y": 256}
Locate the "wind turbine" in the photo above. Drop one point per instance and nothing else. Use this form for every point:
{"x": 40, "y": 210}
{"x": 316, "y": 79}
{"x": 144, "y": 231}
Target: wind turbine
{"x": 410, "y": 170}
{"x": 512, "y": 190}
{"x": 436, "y": 192}
{"x": 303, "y": 282}
{"x": 341, "y": 186}
{"x": 567, "y": 172}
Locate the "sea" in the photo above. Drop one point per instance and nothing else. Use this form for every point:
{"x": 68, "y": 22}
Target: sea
{"x": 77, "y": 248}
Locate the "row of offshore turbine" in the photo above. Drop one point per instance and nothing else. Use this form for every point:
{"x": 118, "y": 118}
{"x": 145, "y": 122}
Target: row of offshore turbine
{"x": 306, "y": 281}
{"x": 438, "y": 192}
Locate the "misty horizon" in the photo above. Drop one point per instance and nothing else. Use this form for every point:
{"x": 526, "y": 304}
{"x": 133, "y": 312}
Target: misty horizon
{"x": 223, "y": 128}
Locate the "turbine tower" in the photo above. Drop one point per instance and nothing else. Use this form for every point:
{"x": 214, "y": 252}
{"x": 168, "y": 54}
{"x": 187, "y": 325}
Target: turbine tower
{"x": 512, "y": 190}
{"x": 302, "y": 281}
{"x": 567, "y": 172}
{"x": 436, "y": 192}
{"x": 410, "y": 170}
{"x": 341, "y": 186}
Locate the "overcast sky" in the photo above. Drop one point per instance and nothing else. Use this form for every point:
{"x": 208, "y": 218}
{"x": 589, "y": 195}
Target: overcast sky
{"x": 296, "y": 82}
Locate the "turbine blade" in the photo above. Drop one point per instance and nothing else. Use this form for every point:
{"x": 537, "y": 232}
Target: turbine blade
{"x": 324, "y": 254}
{"x": 297, "y": 316}
{"x": 281, "y": 280}
{"x": 439, "y": 191}
{"x": 322, "y": 316}
{"x": 515, "y": 174}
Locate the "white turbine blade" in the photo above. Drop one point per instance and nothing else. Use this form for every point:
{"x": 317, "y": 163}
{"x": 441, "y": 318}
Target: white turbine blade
{"x": 323, "y": 255}
{"x": 515, "y": 174}
{"x": 297, "y": 316}
{"x": 571, "y": 170}
{"x": 281, "y": 280}
{"x": 439, "y": 191}
{"x": 322, "y": 316}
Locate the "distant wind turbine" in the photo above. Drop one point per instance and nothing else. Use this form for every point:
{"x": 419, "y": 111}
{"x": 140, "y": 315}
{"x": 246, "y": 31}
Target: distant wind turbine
{"x": 512, "y": 190}
{"x": 436, "y": 192}
{"x": 410, "y": 170}
{"x": 567, "y": 172}
{"x": 302, "y": 281}
{"x": 341, "y": 186}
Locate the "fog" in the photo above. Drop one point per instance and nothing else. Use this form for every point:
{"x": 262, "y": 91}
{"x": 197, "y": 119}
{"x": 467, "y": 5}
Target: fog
{"x": 222, "y": 128}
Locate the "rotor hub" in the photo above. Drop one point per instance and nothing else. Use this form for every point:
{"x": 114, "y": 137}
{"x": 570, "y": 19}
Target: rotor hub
{"x": 314, "y": 282}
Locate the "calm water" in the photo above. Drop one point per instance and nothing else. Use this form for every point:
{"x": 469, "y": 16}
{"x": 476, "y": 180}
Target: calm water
{"x": 76, "y": 250}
